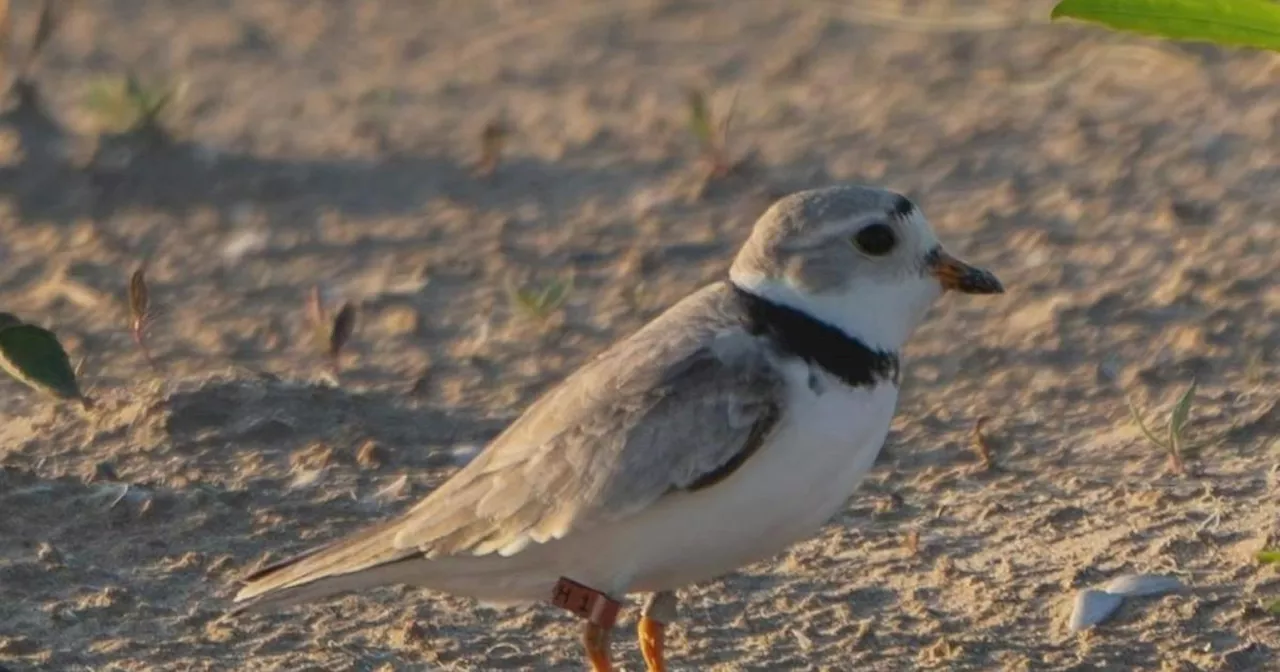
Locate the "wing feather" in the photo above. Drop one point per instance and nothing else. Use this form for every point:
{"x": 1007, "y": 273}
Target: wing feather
{"x": 679, "y": 406}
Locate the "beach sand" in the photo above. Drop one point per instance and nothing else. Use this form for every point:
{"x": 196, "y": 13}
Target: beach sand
{"x": 1124, "y": 189}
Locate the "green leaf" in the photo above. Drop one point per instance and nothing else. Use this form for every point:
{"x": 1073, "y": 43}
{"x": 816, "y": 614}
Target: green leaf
{"x": 36, "y": 358}
{"x": 1137, "y": 419}
{"x": 554, "y": 294}
{"x": 700, "y": 118}
{"x": 540, "y": 302}
{"x": 1273, "y": 607}
{"x": 1243, "y": 23}
{"x": 1269, "y": 556}
{"x": 8, "y": 320}
{"x": 1181, "y": 411}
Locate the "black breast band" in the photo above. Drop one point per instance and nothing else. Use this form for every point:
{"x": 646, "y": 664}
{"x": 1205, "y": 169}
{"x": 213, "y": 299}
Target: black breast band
{"x": 795, "y": 333}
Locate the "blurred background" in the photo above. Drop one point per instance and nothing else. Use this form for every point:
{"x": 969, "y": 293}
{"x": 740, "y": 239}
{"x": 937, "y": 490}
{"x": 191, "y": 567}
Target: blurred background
{"x": 499, "y": 189}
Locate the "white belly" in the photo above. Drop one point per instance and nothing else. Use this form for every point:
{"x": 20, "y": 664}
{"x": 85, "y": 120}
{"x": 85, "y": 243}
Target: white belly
{"x": 823, "y": 447}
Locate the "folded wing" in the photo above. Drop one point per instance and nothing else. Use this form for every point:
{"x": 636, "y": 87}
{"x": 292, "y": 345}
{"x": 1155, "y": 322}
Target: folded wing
{"x": 678, "y": 406}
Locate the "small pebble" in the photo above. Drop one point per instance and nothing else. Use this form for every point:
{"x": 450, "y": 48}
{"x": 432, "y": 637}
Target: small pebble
{"x": 315, "y": 456}
{"x": 243, "y": 243}
{"x": 102, "y": 471}
{"x": 400, "y": 321}
{"x": 369, "y": 455}
{"x": 306, "y": 478}
{"x": 1108, "y": 370}
{"x": 47, "y": 553}
{"x": 462, "y": 454}
{"x": 1193, "y": 213}
{"x": 409, "y": 634}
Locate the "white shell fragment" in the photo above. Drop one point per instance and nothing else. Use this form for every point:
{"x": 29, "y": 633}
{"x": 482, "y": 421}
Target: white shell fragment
{"x": 243, "y": 243}
{"x": 1093, "y": 606}
{"x": 393, "y": 490}
{"x": 1142, "y": 585}
{"x": 463, "y": 453}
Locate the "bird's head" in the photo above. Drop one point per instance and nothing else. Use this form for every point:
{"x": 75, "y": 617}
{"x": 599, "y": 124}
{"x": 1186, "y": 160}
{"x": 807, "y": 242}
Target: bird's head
{"x": 862, "y": 259}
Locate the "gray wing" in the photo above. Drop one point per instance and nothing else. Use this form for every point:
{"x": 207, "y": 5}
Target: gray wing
{"x": 674, "y": 408}
{"x": 678, "y": 406}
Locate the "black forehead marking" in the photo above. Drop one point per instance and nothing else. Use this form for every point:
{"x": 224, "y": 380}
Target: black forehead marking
{"x": 902, "y": 206}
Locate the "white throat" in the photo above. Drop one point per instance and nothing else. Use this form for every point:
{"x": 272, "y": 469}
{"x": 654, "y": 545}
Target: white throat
{"x": 880, "y": 314}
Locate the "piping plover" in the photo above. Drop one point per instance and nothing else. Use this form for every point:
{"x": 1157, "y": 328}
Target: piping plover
{"x": 730, "y": 427}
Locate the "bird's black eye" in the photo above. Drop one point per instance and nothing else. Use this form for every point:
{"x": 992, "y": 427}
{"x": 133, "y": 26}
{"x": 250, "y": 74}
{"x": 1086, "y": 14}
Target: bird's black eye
{"x": 876, "y": 240}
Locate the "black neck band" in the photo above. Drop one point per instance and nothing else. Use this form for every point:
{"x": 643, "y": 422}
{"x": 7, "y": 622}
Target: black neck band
{"x": 795, "y": 333}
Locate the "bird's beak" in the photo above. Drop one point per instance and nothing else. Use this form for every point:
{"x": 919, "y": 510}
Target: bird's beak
{"x": 959, "y": 276}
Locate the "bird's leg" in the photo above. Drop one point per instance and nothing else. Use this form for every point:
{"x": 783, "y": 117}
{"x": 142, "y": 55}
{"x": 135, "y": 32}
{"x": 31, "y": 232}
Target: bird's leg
{"x": 598, "y": 610}
{"x": 659, "y": 610}
{"x": 651, "y": 640}
{"x": 596, "y": 639}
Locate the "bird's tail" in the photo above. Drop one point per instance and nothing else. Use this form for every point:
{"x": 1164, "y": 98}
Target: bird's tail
{"x": 366, "y": 559}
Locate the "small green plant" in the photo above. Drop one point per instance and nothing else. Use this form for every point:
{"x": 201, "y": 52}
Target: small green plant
{"x": 128, "y": 104}
{"x": 492, "y": 139}
{"x": 1239, "y": 23}
{"x": 712, "y": 135}
{"x": 1174, "y": 445}
{"x": 540, "y": 302}
{"x": 979, "y": 442}
{"x": 380, "y": 96}
{"x": 331, "y": 334}
{"x": 140, "y": 311}
{"x": 35, "y": 358}
{"x": 1270, "y": 555}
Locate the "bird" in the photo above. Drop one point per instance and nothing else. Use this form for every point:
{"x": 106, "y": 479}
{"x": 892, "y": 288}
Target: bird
{"x": 730, "y": 427}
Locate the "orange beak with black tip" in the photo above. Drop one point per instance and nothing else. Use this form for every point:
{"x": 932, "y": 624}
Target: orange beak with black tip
{"x": 961, "y": 277}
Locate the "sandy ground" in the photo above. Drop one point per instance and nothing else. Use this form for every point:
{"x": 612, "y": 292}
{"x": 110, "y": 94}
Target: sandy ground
{"x": 1124, "y": 189}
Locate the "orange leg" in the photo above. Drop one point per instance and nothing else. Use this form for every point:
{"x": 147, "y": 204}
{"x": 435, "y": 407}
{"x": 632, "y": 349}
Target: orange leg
{"x": 596, "y": 639}
{"x": 651, "y": 644}
{"x": 659, "y": 610}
